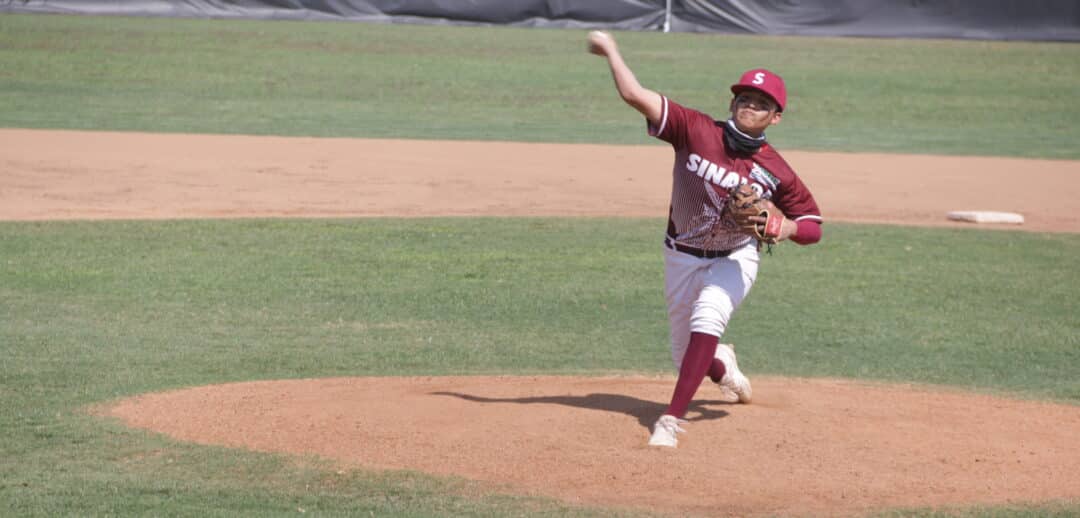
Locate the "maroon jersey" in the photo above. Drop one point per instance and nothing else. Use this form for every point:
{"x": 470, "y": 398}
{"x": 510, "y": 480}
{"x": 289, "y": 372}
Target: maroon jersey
{"x": 705, "y": 170}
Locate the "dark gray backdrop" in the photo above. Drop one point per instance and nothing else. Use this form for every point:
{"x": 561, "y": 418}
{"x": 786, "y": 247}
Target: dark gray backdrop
{"x": 1046, "y": 20}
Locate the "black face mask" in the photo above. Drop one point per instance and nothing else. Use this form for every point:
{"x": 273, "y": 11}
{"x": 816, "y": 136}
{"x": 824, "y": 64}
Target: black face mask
{"x": 738, "y": 141}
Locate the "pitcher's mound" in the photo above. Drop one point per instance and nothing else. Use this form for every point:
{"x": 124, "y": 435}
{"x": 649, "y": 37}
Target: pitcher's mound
{"x": 820, "y": 447}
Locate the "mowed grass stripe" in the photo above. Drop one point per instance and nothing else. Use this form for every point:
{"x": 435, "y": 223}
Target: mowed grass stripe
{"x": 168, "y": 304}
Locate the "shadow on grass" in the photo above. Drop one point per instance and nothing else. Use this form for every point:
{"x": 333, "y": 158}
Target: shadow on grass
{"x": 646, "y": 412}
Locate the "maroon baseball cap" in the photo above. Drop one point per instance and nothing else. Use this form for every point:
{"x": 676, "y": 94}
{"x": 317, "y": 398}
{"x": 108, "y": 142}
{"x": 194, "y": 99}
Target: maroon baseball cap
{"x": 765, "y": 82}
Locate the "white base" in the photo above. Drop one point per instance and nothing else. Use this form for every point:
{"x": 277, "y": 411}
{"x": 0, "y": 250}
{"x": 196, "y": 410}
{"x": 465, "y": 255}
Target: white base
{"x": 985, "y": 216}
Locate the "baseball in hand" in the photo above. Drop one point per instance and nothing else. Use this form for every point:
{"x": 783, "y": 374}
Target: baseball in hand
{"x": 600, "y": 42}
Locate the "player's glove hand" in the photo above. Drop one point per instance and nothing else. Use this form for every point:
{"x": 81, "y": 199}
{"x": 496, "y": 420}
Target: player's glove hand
{"x": 755, "y": 215}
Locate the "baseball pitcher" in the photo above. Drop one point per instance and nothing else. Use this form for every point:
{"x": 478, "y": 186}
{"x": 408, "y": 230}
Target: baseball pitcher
{"x": 731, "y": 191}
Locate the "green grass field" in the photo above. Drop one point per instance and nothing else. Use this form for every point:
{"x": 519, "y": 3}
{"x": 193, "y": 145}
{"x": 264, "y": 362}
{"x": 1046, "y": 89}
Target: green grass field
{"x": 370, "y": 80}
{"x": 94, "y": 311}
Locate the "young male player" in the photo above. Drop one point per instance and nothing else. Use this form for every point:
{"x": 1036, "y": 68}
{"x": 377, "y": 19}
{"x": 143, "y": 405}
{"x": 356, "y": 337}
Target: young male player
{"x": 710, "y": 262}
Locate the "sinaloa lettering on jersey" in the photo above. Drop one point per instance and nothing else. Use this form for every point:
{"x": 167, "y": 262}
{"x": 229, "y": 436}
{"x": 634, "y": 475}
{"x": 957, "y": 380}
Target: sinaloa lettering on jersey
{"x": 700, "y": 165}
{"x": 731, "y": 180}
{"x": 692, "y": 162}
{"x": 711, "y": 172}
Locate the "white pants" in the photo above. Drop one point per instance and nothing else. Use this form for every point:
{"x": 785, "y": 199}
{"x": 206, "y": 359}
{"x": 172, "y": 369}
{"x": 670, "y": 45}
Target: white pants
{"x": 702, "y": 294}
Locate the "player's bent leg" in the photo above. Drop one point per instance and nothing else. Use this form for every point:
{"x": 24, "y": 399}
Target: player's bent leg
{"x": 711, "y": 318}
{"x": 711, "y": 315}
{"x": 727, "y": 283}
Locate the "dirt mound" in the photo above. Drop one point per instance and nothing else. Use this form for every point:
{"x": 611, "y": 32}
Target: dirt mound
{"x": 823, "y": 447}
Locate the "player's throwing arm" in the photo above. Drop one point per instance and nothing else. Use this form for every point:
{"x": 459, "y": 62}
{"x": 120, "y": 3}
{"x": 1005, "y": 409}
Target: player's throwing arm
{"x": 645, "y": 101}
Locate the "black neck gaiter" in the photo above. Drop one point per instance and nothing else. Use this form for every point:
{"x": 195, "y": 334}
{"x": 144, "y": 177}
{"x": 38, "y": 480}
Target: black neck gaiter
{"x": 739, "y": 141}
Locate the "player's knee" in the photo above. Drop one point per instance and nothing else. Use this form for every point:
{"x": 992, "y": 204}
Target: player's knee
{"x": 711, "y": 317}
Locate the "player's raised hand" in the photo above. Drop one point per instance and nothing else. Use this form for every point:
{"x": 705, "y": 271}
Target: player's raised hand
{"x": 601, "y": 43}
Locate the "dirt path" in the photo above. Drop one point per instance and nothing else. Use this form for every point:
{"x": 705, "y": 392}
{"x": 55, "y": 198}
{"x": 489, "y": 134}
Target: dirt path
{"x": 816, "y": 447}
{"x": 72, "y": 175}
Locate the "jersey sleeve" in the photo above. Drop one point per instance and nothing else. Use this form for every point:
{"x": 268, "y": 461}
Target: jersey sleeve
{"x": 797, "y": 202}
{"x": 676, "y": 123}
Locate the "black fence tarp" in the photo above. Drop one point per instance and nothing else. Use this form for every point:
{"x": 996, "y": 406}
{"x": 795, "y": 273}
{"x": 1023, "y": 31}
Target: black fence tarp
{"x": 1035, "y": 20}
{"x": 1045, "y": 20}
{"x": 614, "y": 14}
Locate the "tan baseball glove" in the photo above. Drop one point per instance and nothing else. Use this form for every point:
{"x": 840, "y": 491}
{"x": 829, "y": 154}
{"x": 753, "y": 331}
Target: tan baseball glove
{"x": 744, "y": 203}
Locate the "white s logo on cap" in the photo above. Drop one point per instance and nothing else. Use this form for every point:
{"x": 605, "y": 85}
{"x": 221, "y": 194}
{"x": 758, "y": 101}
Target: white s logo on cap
{"x": 759, "y": 78}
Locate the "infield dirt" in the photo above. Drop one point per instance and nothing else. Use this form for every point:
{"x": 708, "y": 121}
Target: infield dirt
{"x": 74, "y": 175}
{"x": 817, "y": 447}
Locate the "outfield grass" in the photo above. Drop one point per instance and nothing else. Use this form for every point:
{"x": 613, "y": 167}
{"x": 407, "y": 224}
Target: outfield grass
{"x": 94, "y": 311}
{"x": 371, "y": 80}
